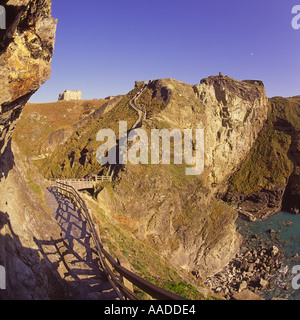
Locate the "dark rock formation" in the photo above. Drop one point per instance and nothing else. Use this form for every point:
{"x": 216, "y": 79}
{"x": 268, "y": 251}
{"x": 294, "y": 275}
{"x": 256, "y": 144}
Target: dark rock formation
{"x": 257, "y": 205}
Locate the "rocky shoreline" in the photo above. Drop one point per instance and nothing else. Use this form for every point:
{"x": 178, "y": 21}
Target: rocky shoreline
{"x": 259, "y": 267}
{"x": 257, "y": 206}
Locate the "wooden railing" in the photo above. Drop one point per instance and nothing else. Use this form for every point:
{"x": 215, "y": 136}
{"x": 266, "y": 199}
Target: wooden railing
{"x": 96, "y": 179}
{"x": 117, "y": 275}
{"x": 84, "y": 183}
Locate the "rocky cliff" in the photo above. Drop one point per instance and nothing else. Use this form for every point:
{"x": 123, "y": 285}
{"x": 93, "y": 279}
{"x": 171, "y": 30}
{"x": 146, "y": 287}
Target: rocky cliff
{"x": 235, "y": 113}
{"x": 253, "y": 145}
{"x": 26, "y": 51}
{"x": 28, "y": 233}
{"x": 268, "y": 179}
{"x": 181, "y": 215}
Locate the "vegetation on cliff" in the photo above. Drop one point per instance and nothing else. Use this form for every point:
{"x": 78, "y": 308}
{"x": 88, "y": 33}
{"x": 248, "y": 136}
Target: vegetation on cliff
{"x": 43, "y": 125}
{"x": 267, "y": 165}
{"x": 274, "y": 159}
{"x": 77, "y": 157}
{"x": 163, "y": 208}
{"x": 144, "y": 260}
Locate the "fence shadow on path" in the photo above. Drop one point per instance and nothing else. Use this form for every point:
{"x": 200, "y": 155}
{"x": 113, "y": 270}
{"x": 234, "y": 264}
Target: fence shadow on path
{"x": 77, "y": 249}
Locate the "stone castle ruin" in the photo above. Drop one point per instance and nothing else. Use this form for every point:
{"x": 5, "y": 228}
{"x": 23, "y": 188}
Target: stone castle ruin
{"x": 70, "y": 95}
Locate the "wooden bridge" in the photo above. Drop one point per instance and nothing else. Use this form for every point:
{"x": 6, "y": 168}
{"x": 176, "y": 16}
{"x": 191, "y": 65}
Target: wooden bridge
{"x": 121, "y": 279}
{"x": 84, "y": 183}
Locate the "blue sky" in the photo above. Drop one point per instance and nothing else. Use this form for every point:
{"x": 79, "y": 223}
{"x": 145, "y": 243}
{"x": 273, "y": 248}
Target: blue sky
{"x": 102, "y": 47}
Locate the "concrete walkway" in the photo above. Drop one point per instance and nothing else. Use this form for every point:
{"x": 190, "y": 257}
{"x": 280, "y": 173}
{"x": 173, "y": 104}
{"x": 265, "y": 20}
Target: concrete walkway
{"x": 81, "y": 261}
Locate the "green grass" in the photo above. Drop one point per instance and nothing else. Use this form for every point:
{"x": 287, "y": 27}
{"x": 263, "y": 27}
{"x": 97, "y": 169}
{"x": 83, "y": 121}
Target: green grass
{"x": 152, "y": 105}
{"x": 36, "y": 189}
{"x": 77, "y": 157}
{"x": 183, "y": 289}
{"x": 267, "y": 165}
{"x": 34, "y": 186}
{"x": 39, "y": 121}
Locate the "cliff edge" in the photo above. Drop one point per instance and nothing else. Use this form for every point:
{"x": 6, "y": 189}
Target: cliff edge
{"x": 28, "y": 232}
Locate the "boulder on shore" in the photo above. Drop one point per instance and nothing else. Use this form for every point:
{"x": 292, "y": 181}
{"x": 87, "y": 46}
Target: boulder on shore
{"x": 246, "y": 295}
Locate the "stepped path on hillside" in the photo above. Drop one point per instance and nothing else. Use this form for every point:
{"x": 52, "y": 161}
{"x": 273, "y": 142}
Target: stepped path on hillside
{"x": 142, "y": 113}
{"x": 78, "y": 252}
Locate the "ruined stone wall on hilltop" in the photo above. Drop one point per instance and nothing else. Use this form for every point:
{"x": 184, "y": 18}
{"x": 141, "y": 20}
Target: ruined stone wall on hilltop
{"x": 70, "y": 95}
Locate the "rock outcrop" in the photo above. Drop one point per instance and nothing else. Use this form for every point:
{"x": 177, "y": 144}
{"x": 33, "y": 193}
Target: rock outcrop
{"x": 235, "y": 113}
{"x": 267, "y": 181}
{"x": 26, "y": 48}
{"x": 258, "y": 205}
{"x": 181, "y": 216}
{"x": 28, "y": 232}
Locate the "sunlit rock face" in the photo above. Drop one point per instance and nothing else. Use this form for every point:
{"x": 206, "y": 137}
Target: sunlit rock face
{"x": 26, "y": 48}
{"x": 236, "y": 112}
{"x": 28, "y": 232}
{"x": 183, "y": 218}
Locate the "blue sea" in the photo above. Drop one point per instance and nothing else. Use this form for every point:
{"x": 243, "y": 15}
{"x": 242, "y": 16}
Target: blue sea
{"x": 286, "y": 237}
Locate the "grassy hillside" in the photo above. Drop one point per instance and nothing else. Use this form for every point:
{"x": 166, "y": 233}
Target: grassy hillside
{"x": 39, "y": 121}
{"x": 77, "y": 157}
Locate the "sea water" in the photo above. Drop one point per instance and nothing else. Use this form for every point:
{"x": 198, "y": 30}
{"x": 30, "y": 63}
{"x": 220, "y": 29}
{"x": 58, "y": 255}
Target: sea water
{"x": 283, "y": 231}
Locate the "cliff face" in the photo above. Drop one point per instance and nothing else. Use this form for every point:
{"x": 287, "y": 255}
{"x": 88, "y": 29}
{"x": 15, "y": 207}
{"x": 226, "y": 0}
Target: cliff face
{"x": 26, "y": 49}
{"x": 235, "y": 113}
{"x": 268, "y": 179}
{"x": 181, "y": 215}
{"x": 27, "y": 230}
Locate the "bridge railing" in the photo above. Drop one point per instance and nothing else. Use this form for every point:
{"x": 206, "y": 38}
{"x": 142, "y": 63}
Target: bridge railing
{"x": 91, "y": 180}
{"x": 115, "y": 273}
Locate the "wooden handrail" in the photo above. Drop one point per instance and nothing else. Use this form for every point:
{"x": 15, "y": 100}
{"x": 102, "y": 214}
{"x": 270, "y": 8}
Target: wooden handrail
{"x": 105, "y": 259}
{"x": 84, "y": 183}
{"x": 153, "y": 290}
